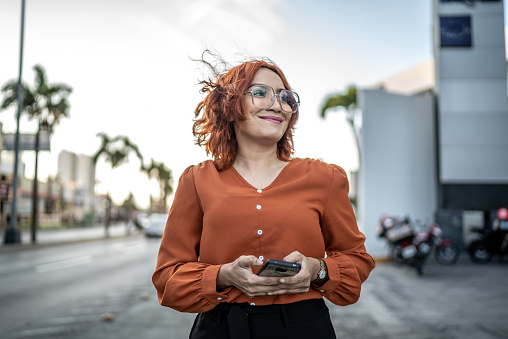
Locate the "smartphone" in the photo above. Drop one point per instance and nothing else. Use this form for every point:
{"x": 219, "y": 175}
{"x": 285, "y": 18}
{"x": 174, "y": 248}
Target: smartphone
{"x": 279, "y": 268}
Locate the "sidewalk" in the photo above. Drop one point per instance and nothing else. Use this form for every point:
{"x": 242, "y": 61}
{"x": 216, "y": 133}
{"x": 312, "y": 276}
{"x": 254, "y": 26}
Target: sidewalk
{"x": 68, "y": 235}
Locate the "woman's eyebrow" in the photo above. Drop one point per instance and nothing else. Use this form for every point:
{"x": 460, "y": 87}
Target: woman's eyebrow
{"x": 278, "y": 90}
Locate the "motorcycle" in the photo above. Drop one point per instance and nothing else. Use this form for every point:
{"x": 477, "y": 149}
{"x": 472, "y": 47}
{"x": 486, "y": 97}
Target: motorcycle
{"x": 445, "y": 251}
{"x": 413, "y": 248}
{"x": 492, "y": 241}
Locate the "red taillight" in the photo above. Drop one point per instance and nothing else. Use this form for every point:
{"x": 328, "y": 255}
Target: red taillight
{"x": 502, "y": 213}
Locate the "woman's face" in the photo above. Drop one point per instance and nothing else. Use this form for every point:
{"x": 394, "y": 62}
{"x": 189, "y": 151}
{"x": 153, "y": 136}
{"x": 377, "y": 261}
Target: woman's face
{"x": 263, "y": 125}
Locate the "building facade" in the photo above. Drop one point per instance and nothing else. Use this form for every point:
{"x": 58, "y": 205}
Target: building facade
{"x": 76, "y": 172}
{"x": 434, "y": 138}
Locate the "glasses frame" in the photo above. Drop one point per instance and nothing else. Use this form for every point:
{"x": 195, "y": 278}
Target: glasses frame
{"x": 273, "y": 98}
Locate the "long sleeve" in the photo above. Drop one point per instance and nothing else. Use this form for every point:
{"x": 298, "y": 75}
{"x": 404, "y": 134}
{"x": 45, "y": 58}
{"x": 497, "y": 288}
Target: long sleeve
{"x": 181, "y": 281}
{"x": 347, "y": 261}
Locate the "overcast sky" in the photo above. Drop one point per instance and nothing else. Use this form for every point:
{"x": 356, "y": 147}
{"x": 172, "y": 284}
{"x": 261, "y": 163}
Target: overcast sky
{"x": 129, "y": 65}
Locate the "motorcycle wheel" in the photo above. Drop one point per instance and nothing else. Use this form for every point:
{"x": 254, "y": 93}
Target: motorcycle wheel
{"x": 479, "y": 253}
{"x": 418, "y": 265}
{"x": 448, "y": 254}
{"x": 397, "y": 255}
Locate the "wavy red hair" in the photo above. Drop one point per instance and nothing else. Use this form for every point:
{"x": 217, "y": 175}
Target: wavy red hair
{"x": 215, "y": 115}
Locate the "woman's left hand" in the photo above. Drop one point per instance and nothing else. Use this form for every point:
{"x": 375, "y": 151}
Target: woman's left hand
{"x": 300, "y": 283}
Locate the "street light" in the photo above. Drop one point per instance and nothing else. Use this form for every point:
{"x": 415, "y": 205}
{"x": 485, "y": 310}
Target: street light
{"x": 12, "y": 234}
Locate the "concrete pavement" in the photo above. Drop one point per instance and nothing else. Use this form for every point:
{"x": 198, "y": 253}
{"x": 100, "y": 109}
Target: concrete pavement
{"x": 67, "y": 235}
{"x": 466, "y": 301}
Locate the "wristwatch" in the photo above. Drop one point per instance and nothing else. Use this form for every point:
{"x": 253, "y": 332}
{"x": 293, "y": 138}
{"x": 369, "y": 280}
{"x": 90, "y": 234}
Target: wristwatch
{"x": 321, "y": 274}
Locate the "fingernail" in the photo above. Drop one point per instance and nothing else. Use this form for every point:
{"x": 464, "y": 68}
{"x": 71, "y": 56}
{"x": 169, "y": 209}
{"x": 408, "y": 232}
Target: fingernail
{"x": 259, "y": 262}
{"x": 270, "y": 293}
{"x": 283, "y": 281}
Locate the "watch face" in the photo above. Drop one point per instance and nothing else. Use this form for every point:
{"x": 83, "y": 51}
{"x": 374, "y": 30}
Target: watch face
{"x": 322, "y": 274}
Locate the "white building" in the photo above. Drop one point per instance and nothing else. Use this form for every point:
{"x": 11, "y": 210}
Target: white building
{"x": 76, "y": 172}
{"x": 435, "y": 137}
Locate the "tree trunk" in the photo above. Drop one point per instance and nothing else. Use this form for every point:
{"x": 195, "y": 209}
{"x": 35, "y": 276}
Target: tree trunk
{"x": 107, "y": 216}
{"x": 35, "y": 193}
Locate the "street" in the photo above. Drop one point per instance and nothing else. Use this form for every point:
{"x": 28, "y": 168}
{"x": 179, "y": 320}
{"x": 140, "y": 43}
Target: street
{"x": 63, "y": 291}
{"x": 102, "y": 289}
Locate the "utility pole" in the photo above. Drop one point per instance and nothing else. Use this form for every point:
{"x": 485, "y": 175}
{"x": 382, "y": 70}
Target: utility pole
{"x": 12, "y": 234}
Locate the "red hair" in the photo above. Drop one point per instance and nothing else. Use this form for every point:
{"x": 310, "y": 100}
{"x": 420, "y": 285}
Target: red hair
{"x": 215, "y": 115}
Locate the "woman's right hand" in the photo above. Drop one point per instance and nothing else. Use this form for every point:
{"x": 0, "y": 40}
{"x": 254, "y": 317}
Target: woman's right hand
{"x": 239, "y": 274}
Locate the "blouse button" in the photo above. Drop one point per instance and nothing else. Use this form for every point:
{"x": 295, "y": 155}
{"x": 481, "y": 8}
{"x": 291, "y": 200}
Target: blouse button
{"x": 322, "y": 291}
{"x": 260, "y": 232}
{"x": 261, "y": 257}
{"x": 219, "y": 298}
{"x": 258, "y": 207}
{"x": 252, "y": 304}
{"x": 259, "y": 191}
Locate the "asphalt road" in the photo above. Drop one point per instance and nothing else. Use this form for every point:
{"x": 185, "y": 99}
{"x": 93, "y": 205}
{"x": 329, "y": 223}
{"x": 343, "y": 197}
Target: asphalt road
{"x": 102, "y": 289}
{"x": 62, "y": 291}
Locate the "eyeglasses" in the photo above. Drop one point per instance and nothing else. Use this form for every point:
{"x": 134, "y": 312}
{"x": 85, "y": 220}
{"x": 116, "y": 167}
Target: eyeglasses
{"x": 263, "y": 96}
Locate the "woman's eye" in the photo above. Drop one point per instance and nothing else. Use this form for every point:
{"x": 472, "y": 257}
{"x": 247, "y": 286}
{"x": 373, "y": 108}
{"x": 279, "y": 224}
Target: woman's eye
{"x": 284, "y": 97}
{"x": 259, "y": 92}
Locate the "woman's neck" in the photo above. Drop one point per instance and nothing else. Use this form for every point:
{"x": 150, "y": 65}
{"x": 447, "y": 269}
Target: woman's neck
{"x": 255, "y": 159}
{"x": 259, "y": 169}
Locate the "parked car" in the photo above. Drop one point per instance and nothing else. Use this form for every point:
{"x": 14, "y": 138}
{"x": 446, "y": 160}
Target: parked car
{"x": 155, "y": 225}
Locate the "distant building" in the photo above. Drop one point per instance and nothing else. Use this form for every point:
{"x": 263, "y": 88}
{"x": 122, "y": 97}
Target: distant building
{"x": 76, "y": 172}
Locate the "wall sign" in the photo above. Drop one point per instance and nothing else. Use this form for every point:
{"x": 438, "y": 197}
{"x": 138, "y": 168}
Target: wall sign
{"x": 455, "y": 31}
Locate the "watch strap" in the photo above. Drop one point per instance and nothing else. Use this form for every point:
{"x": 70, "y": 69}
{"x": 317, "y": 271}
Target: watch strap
{"x": 319, "y": 281}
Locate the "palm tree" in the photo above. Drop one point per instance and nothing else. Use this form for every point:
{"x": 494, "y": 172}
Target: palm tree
{"x": 347, "y": 101}
{"x": 164, "y": 176}
{"x": 45, "y": 102}
{"x": 129, "y": 205}
{"x": 116, "y": 152}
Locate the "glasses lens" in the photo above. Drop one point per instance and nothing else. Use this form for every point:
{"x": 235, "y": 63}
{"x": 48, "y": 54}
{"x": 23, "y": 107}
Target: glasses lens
{"x": 289, "y": 101}
{"x": 262, "y": 96}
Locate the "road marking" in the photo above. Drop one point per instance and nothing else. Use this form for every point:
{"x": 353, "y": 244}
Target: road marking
{"x": 135, "y": 248}
{"x": 64, "y": 264}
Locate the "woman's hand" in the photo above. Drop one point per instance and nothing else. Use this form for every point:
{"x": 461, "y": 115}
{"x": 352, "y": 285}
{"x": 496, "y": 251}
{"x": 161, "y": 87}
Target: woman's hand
{"x": 300, "y": 283}
{"x": 239, "y": 274}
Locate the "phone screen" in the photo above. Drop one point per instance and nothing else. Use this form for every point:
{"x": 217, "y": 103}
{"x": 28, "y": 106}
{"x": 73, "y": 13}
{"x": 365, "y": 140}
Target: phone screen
{"x": 278, "y": 268}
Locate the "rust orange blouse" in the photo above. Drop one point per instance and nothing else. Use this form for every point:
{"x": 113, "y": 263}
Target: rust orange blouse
{"x": 217, "y": 216}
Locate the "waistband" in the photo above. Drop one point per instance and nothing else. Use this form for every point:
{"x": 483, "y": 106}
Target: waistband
{"x": 238, "y": 317}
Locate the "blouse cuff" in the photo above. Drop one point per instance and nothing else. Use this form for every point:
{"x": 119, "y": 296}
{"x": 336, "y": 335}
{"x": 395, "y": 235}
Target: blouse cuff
{"x": 209, "y": 286}
{"x": 344, "y": 284}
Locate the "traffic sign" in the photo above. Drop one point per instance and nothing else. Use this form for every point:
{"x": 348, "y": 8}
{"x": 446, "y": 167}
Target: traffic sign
{"x": 26, "y": 142}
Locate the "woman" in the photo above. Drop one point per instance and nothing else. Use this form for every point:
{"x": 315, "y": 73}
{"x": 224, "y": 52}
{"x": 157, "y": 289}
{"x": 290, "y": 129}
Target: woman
{"x": 254, "y": 202}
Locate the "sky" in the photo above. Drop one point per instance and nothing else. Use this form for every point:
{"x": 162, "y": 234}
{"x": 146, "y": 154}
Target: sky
{"x": 129, "y": 64}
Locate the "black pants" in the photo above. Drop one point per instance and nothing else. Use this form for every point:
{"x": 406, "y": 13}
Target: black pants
{"x": 304, "y": 319}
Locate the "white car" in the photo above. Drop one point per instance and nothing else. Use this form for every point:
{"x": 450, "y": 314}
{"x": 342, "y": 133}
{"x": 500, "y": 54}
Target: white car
{"x": 155, "y": 225}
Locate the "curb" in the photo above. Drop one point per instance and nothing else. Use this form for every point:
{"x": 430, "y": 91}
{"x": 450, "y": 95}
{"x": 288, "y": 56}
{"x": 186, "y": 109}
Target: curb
{"x": 6, "y": 248}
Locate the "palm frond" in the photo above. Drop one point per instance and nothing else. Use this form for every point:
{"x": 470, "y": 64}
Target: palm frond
{"x": 105, "y": 140}
{"x": 41, "y": 81}
{"x": 61, "y": 90}
{"x": 345, "y": 100}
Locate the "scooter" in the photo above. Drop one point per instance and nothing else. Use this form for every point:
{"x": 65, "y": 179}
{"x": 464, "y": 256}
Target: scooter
{"x": 492, "y": 241}
{"x": 413, "y": 248}
{"x": 445, "y": 251}
{"x": 399, "y": 234}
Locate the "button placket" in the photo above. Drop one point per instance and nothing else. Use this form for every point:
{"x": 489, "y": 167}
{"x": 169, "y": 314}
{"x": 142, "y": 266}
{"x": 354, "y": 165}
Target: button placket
{"x": 259, "y": 231}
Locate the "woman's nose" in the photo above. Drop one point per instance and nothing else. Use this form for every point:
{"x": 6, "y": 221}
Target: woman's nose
{"x": 276, "y": 106}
